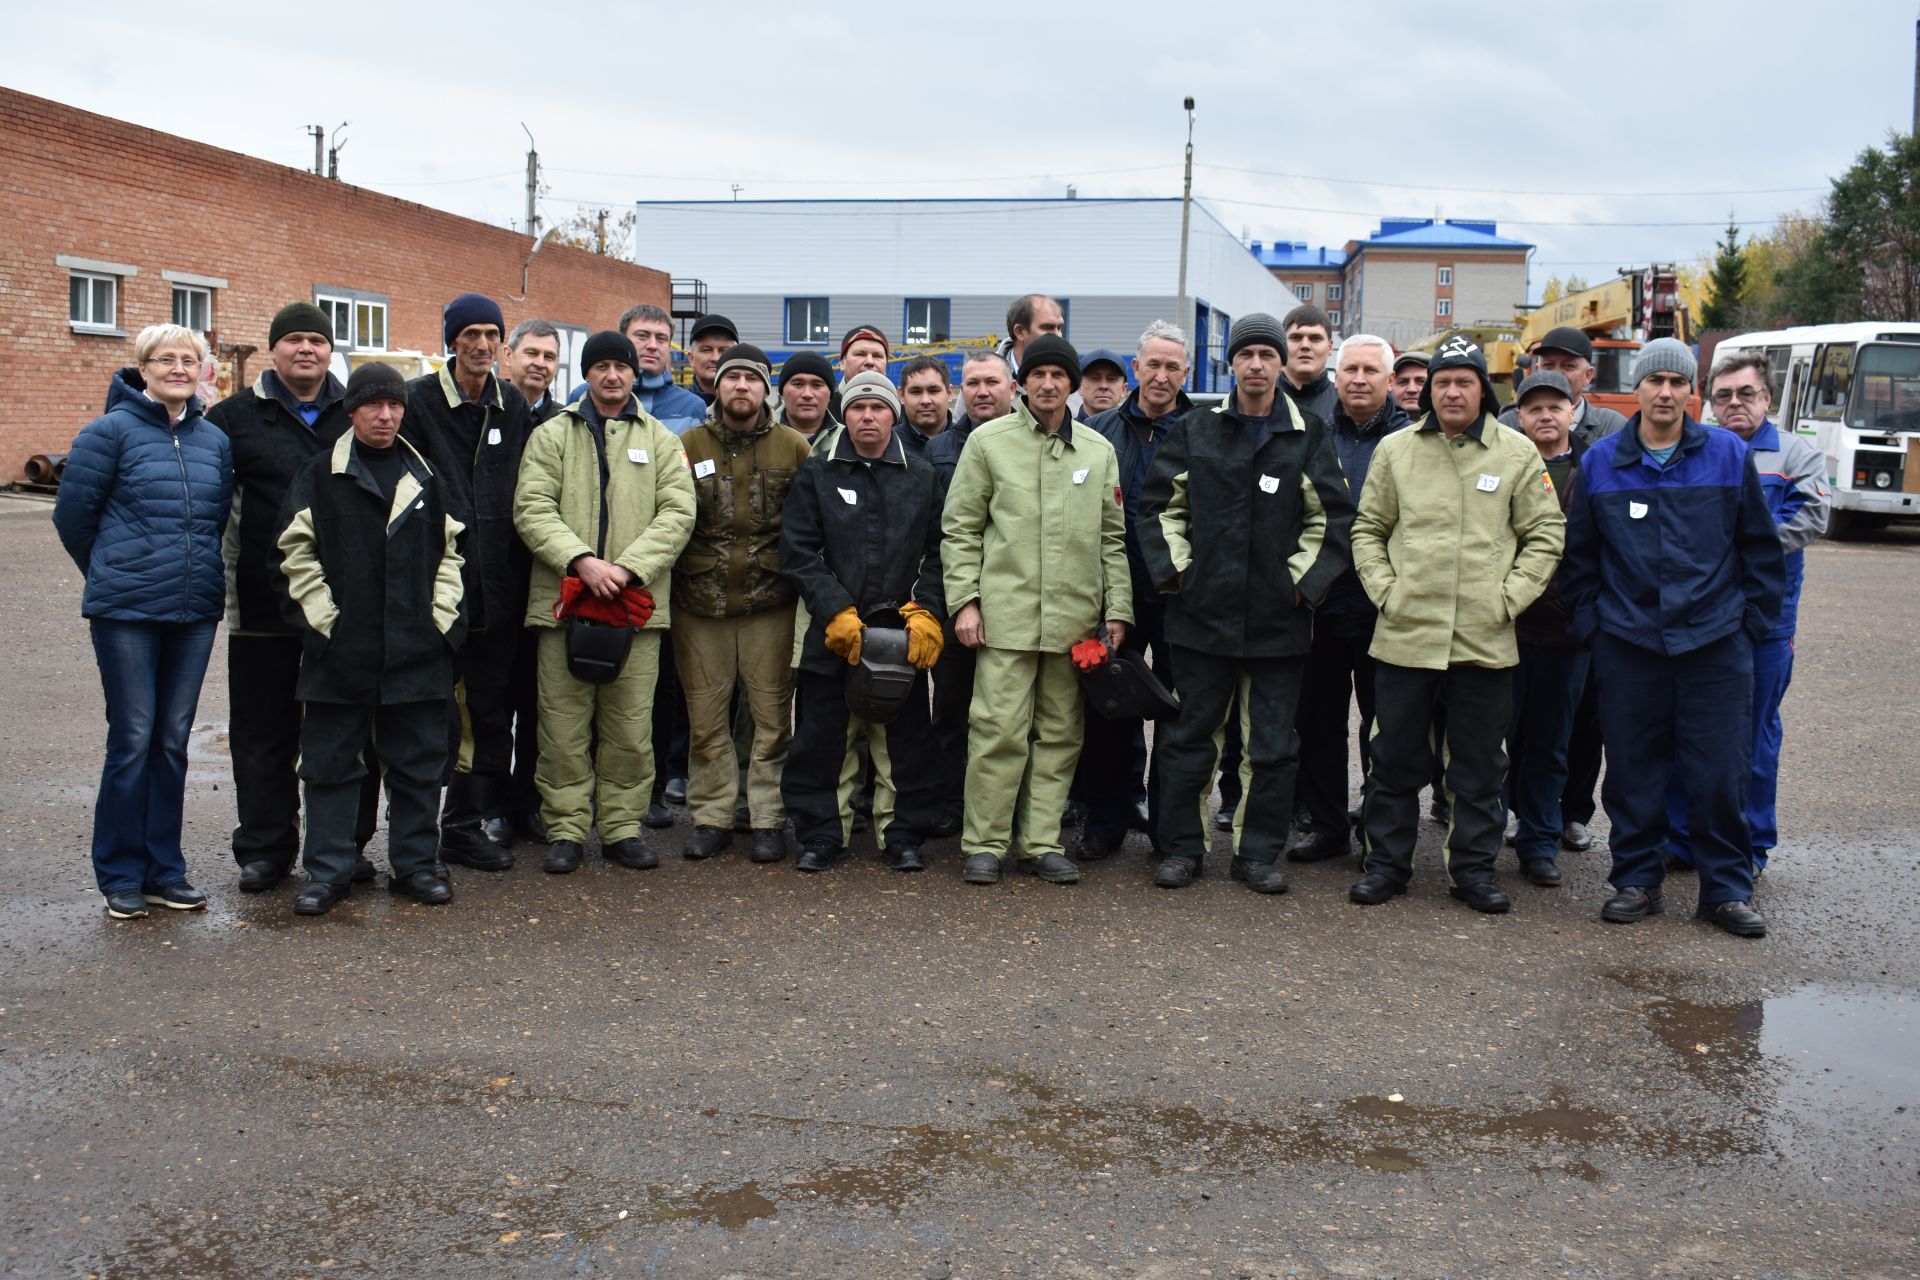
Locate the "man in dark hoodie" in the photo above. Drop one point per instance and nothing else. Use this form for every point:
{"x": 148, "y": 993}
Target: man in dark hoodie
{"x": 1114, "y": 759}
{"x": 471, "y": 426}
{"x": 1338, "y": 668}
{"x": 292, "y": 412}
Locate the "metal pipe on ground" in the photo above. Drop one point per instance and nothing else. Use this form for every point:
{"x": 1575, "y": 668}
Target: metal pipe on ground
{"x": 45, "y": 468}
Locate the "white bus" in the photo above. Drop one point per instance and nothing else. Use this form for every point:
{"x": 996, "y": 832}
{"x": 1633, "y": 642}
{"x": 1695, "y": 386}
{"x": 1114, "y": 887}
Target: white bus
{"x": 1854, "y": 390}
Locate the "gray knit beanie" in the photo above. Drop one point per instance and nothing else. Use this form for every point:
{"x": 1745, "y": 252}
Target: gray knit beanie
{"x": 1666, "y": 355}
{"x": 1256, "y": 326}
{"x": 869, "y": 384}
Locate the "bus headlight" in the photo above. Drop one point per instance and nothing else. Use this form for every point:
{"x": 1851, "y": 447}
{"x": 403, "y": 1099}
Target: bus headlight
{"x": 1883, "y": 480}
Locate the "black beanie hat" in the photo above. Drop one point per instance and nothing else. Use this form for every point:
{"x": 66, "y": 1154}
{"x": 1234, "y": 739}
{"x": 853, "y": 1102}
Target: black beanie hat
{"x": 744, "y": 355}
{"x": 809, "y": 362}
{"x": 1458, "y": 352}
{"x": 1051, "y": 348}
{"x": 608, "y": 345}
{"x": 299, "y": 317}
{"x": 1256, "y": 327}
{"x": 373, "y": 381}
{"x": 471, "y": 308}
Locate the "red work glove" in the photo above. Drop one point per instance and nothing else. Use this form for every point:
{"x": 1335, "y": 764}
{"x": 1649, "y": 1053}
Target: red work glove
{"x": 1088, "y": 655}
{"x": 639, "y": 602}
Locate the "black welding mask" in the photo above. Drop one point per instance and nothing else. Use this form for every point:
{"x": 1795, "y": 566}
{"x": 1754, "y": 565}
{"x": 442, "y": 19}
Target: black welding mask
{"x": 881, "y": 682}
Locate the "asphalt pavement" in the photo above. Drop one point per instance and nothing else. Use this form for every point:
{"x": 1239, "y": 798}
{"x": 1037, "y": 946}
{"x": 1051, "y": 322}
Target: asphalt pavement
{"x": 726, "y": 1070}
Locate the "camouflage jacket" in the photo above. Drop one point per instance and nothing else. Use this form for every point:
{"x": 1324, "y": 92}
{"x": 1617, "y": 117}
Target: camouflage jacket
{"x": 731, "y": 566}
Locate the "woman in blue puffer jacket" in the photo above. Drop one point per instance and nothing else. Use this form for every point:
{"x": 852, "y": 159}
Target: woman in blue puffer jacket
{"x": 142, "y": 507}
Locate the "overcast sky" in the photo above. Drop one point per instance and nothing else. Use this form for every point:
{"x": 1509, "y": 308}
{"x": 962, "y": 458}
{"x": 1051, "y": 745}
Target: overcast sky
{"x": 1311, "y": 125}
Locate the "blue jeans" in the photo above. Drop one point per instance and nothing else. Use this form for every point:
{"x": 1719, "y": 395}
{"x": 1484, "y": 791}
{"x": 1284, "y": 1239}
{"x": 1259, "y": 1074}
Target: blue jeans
{"x": 1546, "y": 688}
{"x": 151, "y": 672}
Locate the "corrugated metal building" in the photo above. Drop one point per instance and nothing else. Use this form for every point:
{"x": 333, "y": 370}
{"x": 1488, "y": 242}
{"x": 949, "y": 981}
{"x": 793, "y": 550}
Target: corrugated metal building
{"x": 796, "y": 274}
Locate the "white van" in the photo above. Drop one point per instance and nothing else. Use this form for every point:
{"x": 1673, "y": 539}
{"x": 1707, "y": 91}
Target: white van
{"x": 1854, "y": 390}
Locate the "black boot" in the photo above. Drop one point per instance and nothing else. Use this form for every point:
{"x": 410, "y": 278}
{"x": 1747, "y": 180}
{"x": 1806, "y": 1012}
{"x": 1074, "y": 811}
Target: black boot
{"x": 463, "y": 835}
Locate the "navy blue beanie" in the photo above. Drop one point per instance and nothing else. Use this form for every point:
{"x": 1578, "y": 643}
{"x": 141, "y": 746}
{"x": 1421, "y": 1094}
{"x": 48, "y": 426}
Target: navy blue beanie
{"x": 471, "y": 308}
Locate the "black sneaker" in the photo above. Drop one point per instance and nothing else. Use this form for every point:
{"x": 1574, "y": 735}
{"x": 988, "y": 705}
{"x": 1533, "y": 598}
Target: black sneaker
{"x": 127, "y": 905}
{"x": 181, "y": 897}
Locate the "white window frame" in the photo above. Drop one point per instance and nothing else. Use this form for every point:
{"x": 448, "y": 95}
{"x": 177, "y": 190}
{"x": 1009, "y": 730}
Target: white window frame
{"x": 94, "y": 271}
{"x": 1304, "y": 292}
{"x": 349, "y": 305}
{"x": 1336, "y": 293}
{"x": 1443, "y": 308}
{"x": 1333, "y": 317}
{"x": 1445, "y": 277}
{"x": 193, "y": 294}
{"x": 190, "y": 283}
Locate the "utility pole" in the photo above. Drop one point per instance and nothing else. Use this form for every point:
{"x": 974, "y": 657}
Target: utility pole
{"x": 600, "y": 232}
{"x": 533, "y": 183}
{"x": 336, "y": 145}
{"x": 1186, "y": 215}
{"x": 318, "y": 132}
{"x": 737, "y": 189}
{"x": 1916, "y": 77}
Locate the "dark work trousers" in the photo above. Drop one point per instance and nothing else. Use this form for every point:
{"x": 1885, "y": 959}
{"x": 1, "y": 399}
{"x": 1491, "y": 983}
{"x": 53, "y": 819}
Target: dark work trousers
{"x": 1479, "y": 703}
{"x": 1584, "y": 756}
{"x": 1688, "y": 716}
{"x": 952, "y": 704}
{"x": 409, "y": 739}
{"x": 1231, "y": 760}
{"x": 263, "y": 737}
{"x": 1546, "y": 688}
{"x": 1111, "y": 765}
{"x": 1772, "y": 672}
{"x": 823, "y": 769}
{"x": 1338, "y": 673}
{"x": 669, "y": 724}
{"x": 523, "y": 800}
{"x": 1267, "y": 693}
{"x": 483, "y": 709}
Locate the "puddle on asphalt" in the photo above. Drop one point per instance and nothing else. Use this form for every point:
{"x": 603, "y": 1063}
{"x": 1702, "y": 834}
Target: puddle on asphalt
{"x": 1831, "y": 1070}
{"x": 728, "y": 1209}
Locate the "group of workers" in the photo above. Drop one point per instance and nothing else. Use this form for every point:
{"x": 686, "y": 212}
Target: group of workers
{"x": 823, "y": 600}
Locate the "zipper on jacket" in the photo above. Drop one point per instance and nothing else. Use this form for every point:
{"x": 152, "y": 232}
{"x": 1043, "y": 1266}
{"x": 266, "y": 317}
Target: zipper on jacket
{"x": 186, "y": 524}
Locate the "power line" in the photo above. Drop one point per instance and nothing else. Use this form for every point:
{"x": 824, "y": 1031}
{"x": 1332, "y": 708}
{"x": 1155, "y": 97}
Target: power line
{"x": 1502, "y": 191}
{"x": 749, "y": 180}
{"x": 446, "y": 182}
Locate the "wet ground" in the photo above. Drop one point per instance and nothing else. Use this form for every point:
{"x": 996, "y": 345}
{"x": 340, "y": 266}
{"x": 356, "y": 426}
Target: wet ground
{"x": 725, "y": 1070}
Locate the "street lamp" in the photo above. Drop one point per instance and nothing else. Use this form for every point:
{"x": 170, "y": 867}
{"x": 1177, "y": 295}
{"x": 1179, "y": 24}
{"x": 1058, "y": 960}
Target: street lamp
{"x": 1186, "y": 214}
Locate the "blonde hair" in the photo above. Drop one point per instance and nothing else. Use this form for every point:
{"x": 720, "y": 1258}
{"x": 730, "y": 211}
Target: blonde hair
{"x": 156, "y": 336}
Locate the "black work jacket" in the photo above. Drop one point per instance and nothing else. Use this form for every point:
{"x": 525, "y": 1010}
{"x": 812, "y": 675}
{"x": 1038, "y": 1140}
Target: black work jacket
{"x": 474, "y": 449}
{"x": 1548, "y": 621}
{"x": 861, "y": 534}
{"x": 271, "y": 442}
{"x": 1239, "y": 514}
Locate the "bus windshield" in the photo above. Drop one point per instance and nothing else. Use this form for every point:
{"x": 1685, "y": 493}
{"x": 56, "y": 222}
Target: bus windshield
{"x": 1886, "y": 388}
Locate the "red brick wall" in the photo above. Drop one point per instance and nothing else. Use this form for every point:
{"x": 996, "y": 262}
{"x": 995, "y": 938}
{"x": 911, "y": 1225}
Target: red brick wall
{"x": 87, "y": 186}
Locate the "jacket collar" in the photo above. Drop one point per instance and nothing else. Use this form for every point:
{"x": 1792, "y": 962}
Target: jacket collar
{"x": 737, "y": 439}
{"x": 128, "y": 390}
{"x": 1285, "y": 416}
{"x": 1428, "y": 424}
{"x": 269, "y": 387}
{"x": 1131, "y": 411}
{"x": 843, "y": 450}
{"x": 1766, "y": 439}
{"x": 346, "y": 461}
{"x": 1066, "y": 424}
{"x": 491, "y": 394}
{"x": 1627, "y": 448}
{"x": 1389, "y": 417}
